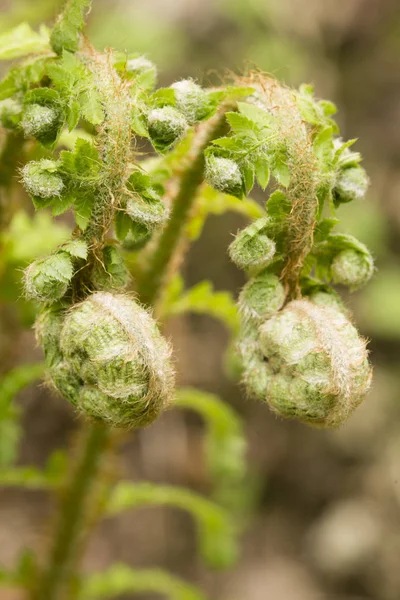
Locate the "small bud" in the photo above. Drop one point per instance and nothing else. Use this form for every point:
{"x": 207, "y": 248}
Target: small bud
{"x": 261, "y": 297}
{"x": 144, "y": 71}
{"x": 352, "y": 268}
{"x": 352, "y": 184}
{"x": 252, "y": 248}
{"x": 319, "y": 365}
{"x": 40, "y": 179}
{"x": 166, "y": 126}
{"x": 47, "y": 279}
{"x": 113, "y": 348}
{"x": 224, "y": 175}
{"x": 191, "y": 100}
{"x": 40, "y": 122}
{"x": 146, "y": 212}
{"x": 10, "y": 113}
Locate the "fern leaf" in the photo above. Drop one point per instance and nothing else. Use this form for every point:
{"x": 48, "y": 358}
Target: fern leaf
{"x": 215, "y": 528}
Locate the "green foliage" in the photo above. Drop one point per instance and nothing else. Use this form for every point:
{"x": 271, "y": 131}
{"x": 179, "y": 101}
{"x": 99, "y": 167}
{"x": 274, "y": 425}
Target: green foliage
{"x": 122, "y": 579}
{"x": 32, "y": 478}
{"x": 201, "y": 299}
{"x": 10, "y": 384}
{"x": 81, "y": 111}
{"x": 65, "y": 34}
{"x": 225, "y": 444}
{"x": 215, "y": 528}
{"x": 22, "y": 41}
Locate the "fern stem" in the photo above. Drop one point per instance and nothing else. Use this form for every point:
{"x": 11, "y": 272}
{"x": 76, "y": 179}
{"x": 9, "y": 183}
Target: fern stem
{"x": 167, "y": 253}
{"x": 73, "y": 514}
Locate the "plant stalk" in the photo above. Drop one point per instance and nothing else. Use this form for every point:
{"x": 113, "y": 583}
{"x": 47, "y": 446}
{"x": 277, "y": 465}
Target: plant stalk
{"x": 167, "y": 251}
{"x": 73, "y": 513}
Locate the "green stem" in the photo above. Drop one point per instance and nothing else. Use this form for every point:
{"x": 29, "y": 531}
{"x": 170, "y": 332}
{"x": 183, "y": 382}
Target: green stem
{"x": 165, "y": 254}
{"x": 73, "y": 514}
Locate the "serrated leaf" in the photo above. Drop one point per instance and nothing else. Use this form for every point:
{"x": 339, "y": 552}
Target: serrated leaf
{"x": 278, "y": 205}
{"x": 76, "y": 248}
{"x": 22, "y": 40}
{"x": 91, "y": 107}
{"x": 65, "y": 34}
{"x": 83, "y": 206}
{"x": 262, "y": 172}
{"x": 241, "y": 124}
{"x": 61, "y": 204}
{"x": 258, "y": 116}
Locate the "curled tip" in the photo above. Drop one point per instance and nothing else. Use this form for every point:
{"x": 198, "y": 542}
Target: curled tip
{"x": 224, "y": 175}
{"x": 166, "y": 126}
{"x": 352, "y": 184}
{"x": 319, "y": 370}
{"x": 261, "y": 297}
{"x": 47, "y": 279}
{"x": 115, "y": 364}
{"x": 41, "y": 179}
{"x": 40, "y": 121}
{"x": 252, "y": 248}
{"x": 191, "y": 100}
{"x": 352, "y": 268}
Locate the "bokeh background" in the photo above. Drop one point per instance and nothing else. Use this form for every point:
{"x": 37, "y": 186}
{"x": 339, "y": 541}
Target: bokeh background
{"x": 325, "y": 522}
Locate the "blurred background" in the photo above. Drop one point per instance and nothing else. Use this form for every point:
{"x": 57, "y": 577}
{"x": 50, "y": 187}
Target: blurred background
{"x": 325, "y": 521}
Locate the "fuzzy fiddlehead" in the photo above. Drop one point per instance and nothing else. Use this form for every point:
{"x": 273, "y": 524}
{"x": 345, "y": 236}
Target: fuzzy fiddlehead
{"x": 108, "y": 358}
{"x": 298, "y": 348}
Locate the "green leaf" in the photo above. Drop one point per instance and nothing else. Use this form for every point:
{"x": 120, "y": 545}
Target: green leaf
{"x": 225, "y": 442}
{"x": 77, "y": 86}
{"x": 22, "y": 40}
{"x": 278, "y": 205}
{"x": 324, "y": 228}
{"x": 211, "y": 201}
{"x": 76, "y": 248}
{"x": 20, "y": 78}
{"x": 203, "y": 299}
{"x": 73, "y": 115}
{"x": 12, "y": 383}
{"x": 280, "y": 170}
{"x": 241, "y": 124}
{"x": 258, "y": 116}
{"x": 122, "y": 225}
{"x": 215, "y": 528}
{"x": 33, "y": 478}
{"x": 65, "y": 34}
{"x": 262, "y": 172}
{"x": 83, "y": 206}
{"x": 91, "y": 107}
{"x": 120, "y": 579}
{"x": 323, "y": 146}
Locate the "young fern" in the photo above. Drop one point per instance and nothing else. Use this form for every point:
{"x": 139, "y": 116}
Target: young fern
{"x": 103, "y": 350}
